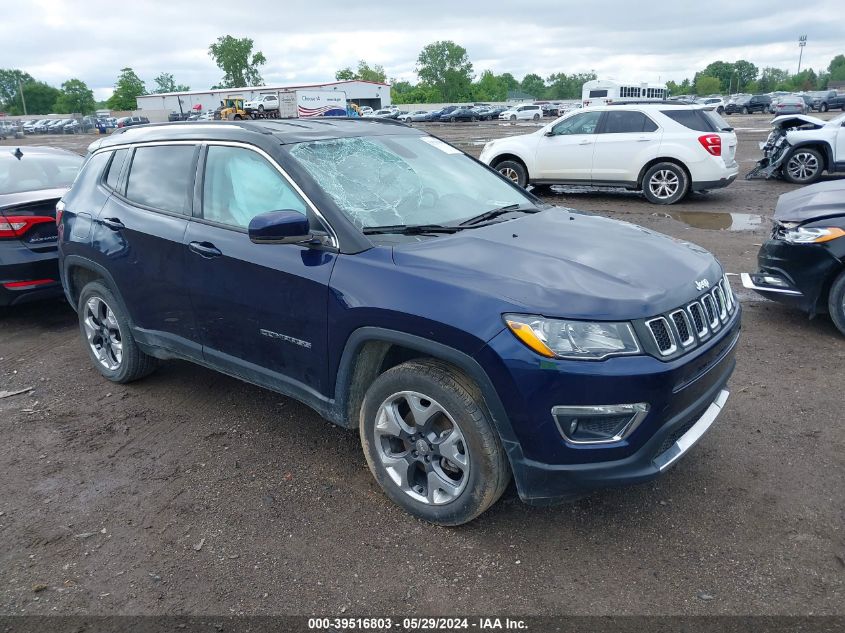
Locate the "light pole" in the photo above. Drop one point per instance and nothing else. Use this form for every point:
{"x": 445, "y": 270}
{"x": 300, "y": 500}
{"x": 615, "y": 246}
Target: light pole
{"x": 802, "y": 42}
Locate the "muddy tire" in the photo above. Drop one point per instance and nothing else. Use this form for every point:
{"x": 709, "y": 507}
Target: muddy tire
{"x": 665, "y": 183}
{"x": 430, "y": 443}
{"x": 108, "y": 337}
{"x": 513, "y": 171}
{"x": 803, "y": 166}
{"x": 836, "y": 302}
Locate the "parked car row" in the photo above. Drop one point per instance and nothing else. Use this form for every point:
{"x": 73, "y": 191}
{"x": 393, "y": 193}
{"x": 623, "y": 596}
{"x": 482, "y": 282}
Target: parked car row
{"x": 65, "y": 126}
{"x": 785, "y": 103}
{"x": 476, "y": 112}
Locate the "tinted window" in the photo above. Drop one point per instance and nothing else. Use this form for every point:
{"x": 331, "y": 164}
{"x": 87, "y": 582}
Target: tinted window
{"x": 34, "y": 170}
{"x": 162, "y": 177}
{"x": 240, "y": 184}
{"x": 692, "y": 119}
{"x": 621, "y": 121}
{"x": 598, "y": 93}
{"x": 584, "y": 123}
{"x": 115, "y": 167}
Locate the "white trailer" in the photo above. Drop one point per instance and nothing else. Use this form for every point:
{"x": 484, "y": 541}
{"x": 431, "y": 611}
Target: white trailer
{"x": 604, "y": 91}
{"x": 291, "y": 104}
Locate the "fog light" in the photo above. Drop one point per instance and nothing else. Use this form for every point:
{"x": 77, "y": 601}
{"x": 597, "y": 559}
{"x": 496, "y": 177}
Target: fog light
{"x": 599, "y": 424}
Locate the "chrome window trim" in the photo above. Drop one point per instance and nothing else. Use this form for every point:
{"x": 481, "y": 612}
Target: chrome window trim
{"x": 690, "y": 328}
{"x": 208, "y": 142}
{"x": 674, "y": 347}
{"x": 639, "y": 411}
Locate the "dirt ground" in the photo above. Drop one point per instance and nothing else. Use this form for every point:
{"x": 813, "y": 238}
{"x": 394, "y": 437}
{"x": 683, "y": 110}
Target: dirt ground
{"x": 192, "y": 493}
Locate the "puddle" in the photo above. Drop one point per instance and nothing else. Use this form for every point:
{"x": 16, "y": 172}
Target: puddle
{"x": 717, "y": 221}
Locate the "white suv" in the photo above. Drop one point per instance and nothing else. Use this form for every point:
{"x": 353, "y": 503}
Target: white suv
{"x": 522, "y": 113}
{"x": 262, "y": 103}
{"x": 664, "y": 150}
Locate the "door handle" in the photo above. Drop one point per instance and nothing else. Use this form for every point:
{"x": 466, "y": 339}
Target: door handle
{"x": 586, "y": 141}
{"x": 113, "y": 223}
{"x": 204, "y": 249}
{"x": 642, "y": 139}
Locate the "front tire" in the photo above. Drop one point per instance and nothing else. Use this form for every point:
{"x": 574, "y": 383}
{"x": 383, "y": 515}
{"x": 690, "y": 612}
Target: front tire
{"x": 513, "y": 171}
{"x": 430, "y": 444}
{"x": 824, "y": 107}
{"x": 836, "y": 302}
{"x": 107, "y": 336}
{"x": 803, "y": 166}
{"x": 665, "y": 183}
{"x": 745, "y": 110}
{"x": 513, "y": 117}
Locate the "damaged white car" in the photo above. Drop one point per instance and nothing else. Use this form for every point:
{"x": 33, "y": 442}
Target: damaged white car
{"x": 801, "y": 147}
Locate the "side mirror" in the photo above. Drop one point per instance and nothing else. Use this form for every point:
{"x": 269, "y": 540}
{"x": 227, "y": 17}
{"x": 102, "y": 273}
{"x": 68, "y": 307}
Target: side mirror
{"x": 548, "y": 133}
{"x": 280, "y": 227}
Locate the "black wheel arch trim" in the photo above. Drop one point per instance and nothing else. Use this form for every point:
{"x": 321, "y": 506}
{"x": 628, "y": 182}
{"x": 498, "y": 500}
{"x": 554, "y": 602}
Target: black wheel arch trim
{"x": 460, "y": 359}
{"x": 824, "y": 146}
{"x": 73, "y": 261}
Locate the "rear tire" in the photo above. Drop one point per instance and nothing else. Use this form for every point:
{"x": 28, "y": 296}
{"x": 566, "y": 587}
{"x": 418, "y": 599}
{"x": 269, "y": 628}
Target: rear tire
{"x": 836, "y": 302}
{"x": 803, "y": 166}
{"x": 665, "y": 183}
{"x": 108, "y": 337}
{"x": 536, "y": 117}
{"x": 430, "y": 443}
{"x": 513, "y": 171}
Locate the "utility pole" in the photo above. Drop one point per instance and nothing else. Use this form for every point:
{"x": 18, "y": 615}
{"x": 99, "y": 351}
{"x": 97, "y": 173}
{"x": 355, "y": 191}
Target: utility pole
{"x": 802, "y": 42}
{"x": 23, "y": 101}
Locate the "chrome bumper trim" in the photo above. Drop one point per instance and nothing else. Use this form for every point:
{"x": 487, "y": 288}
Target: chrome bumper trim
{"x": 691, "y": 437}
{"x": 749, "y": 283}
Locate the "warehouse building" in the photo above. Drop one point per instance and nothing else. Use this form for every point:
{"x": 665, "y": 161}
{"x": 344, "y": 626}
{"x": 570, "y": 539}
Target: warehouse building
{"x": 157, "y": 106}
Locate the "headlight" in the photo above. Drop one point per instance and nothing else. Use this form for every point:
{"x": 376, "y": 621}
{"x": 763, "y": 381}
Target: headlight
{"x": 803, "y": 235}
{"x": 584, "y": 340}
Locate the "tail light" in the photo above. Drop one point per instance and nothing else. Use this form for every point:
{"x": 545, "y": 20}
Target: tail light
{"x": 60, "y": 209}
{"x": 12, "y": 226}
{"x": 712, "y": 143}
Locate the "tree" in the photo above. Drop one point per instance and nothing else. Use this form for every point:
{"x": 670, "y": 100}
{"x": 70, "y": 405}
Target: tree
{"x": 40, "y": 99}
{"x": 166, "y": 83}
{"x": 534, "y": 85}
{"x": 445, "y": 66}
{"x": 489, "y": 87}
{"x": 9, "y": 86}
{"x": 364, "y": 73}
{"x": 771, "y": 78}
{"x": 745, "y": 73}
{"x": 563, "y": 86}
{"x": 76, "y": 97}
{"x": 126, "y": 89}
{"x": 239, "y": 64}
{"x": 706, "y": 85}
{"x": 836, "y": 69}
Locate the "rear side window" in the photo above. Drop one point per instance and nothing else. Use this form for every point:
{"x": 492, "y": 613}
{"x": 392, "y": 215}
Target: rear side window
{"x": 598, "y": 93}
{"x": 115, "y": 167}
{"x": 622, "y": 121}
{"x": 162, "y": 177}
{"x": 692, "y": 119}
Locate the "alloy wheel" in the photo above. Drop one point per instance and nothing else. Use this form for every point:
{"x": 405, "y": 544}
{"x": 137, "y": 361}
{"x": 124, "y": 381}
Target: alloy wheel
{"x": 103, "y": 333}
{"x": 510, "y": 174}
{"x": 421, "y": 448}
{"x": 803, "y": 166}
{"x": 664, "y": 184}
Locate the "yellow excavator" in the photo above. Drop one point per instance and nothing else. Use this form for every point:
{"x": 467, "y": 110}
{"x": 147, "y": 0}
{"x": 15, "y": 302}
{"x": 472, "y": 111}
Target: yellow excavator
{"x": 232, "y": 108}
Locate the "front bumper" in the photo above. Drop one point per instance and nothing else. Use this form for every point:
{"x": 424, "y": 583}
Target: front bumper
{"x": 685, "y": 396}
{"x": 797, "y": 275}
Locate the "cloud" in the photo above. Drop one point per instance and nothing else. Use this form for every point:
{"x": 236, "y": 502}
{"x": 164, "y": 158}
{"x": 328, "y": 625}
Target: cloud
{"x": 55, "y": 40}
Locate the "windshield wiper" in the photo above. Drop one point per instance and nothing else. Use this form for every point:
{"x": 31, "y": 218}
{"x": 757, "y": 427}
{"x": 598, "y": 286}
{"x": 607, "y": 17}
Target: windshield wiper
{"x": 410, "y": 229}
{"x": 495, "y": 213}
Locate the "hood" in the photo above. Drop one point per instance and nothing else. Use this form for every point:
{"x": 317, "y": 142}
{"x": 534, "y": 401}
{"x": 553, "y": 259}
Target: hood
{"x": 795, "y": 120}
{"x": 564, "y": 264}
{"x": 820, "y": 200}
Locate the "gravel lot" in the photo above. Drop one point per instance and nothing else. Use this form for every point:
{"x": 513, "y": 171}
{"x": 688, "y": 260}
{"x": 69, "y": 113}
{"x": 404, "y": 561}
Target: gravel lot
{"x": 190, "y": 492}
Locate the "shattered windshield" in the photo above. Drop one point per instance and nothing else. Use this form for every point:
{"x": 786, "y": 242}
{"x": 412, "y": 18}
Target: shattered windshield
{"x": 403, "y": 180}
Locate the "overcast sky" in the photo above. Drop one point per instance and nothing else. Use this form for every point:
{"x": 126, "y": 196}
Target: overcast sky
{"x": 654, "y": 40}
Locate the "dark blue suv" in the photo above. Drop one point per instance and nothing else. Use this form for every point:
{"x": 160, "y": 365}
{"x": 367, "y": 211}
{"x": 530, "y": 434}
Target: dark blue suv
{"x": 468, "y": 331}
